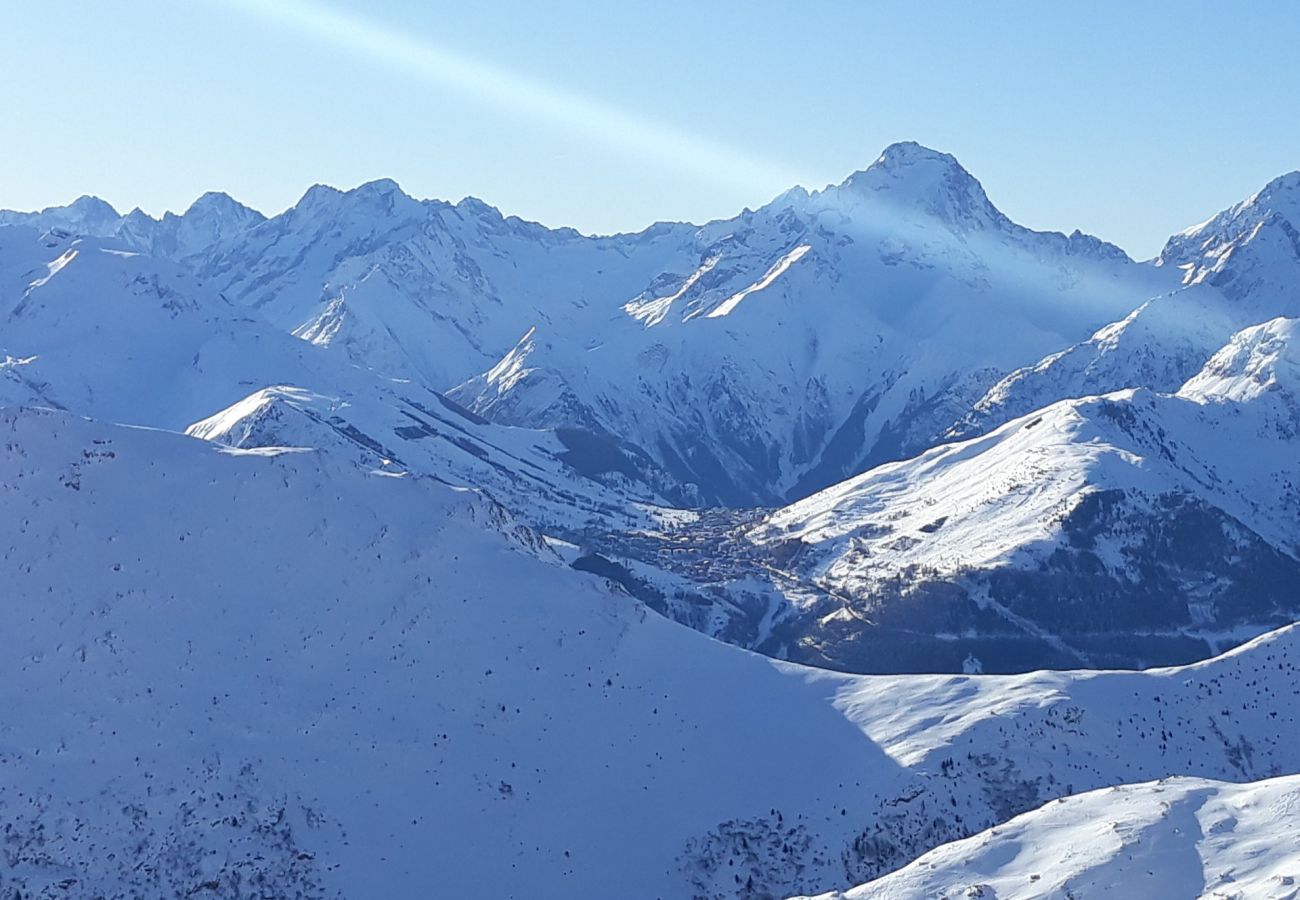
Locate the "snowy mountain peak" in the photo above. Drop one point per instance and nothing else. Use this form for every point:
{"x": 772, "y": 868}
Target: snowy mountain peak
{"x": 903, "y": 154}
{"x": 92, "y": 208}
{"x": 1090, "y": 245}
{"x": 379, "y": 187}
{"x": 477, "y": 207}
{"x": 85, "y": 215}
{"x": 382, "y": 197}
{"x": 909, "y": 176}
{"x": 1259, "y": 360}
{"x": 317, "y": 193}
{"x": 221, "y": 203}
{"x": 1250, "y": 251}
{"x": 1282, "y": 193}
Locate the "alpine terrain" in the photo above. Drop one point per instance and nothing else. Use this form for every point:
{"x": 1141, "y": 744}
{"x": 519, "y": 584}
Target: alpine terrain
{"x": 864, "y": 545}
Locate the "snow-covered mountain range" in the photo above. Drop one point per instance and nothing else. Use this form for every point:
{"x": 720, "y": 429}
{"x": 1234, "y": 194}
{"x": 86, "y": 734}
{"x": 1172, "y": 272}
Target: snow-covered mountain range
{"x": 345, "y": 543}
{"x": 743, "y": 361}
{"x": 753, "y": 359}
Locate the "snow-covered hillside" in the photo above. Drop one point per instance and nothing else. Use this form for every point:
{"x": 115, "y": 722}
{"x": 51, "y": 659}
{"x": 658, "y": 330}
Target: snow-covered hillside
{"x": 1180, "y": 837}
{"x": 1011, "y": 743}
{"x": 1128, "y": 529}
{"x": 117, "y": 335}
{"x": 1240, "y": 268}
{"x": 795, "y": 345}
{"x": 227, "y": 665}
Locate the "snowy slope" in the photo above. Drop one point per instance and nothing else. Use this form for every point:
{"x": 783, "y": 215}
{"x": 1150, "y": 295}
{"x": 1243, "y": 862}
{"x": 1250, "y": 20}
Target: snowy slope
{"x": 797, "y": 344}
{"x": 363, "y": 680}
{"x": 1260, "y": 368}
{"x": 1126, "y": 529}
{"x": 228, "y": 664}
{"x": 1250, "y": 251}
{"x": 118, "y": 335}
{"x": 1177, "y": 838}
{"x": 126, "y": 337}
{"x": 1239, "y": 268}
{"x": 982, "y": 749}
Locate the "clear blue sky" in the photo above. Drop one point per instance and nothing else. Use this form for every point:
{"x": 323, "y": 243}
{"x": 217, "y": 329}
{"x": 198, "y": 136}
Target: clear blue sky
{"x": 1128, "y": 120}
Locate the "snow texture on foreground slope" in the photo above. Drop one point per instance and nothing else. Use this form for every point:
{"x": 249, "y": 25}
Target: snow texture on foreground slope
{"x": 225, "y": 665}
{"x": 1180, "y": 839}
{"x": 268, "y": 671}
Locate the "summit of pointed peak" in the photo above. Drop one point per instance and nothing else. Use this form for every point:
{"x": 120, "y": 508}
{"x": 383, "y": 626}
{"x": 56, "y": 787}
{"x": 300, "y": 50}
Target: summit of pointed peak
{"x": 909, "y": 153}
{"x": 475, "y": 206}
{"x": 908, "y": 175}
{"x": 910, "y": 162}
{"x": 90, "y": 205}
{"x": 319, "y": 193}
{"x": 222, "y": 203}
{"x": 214, "y": 198}
{"x": 379, "y": 186}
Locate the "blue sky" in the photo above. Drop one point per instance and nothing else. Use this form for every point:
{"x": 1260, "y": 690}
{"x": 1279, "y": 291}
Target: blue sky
{"x": 1128, "y": 120}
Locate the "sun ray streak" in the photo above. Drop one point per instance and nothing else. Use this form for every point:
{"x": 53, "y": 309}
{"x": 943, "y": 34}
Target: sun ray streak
{"x": 631, "y": 134}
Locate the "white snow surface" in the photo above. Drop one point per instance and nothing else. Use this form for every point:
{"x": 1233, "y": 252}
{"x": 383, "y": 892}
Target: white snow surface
{"x": 1240, "y": 268}
{"x": 437, "y": 701}
{"x": 391, "y": 676}
{"x": 123, "y": 337}
{"x": 1180, "y": 838}
{"x": 1227, "y": 438}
